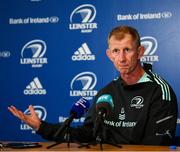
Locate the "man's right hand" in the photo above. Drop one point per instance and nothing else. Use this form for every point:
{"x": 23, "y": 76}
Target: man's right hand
{"x": 32, "y": 119}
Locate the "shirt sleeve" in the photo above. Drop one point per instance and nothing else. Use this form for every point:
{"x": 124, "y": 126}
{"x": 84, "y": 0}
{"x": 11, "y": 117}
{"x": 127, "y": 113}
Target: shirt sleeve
{"x": 82, "y": 133}
{"x": 162, "y": 117}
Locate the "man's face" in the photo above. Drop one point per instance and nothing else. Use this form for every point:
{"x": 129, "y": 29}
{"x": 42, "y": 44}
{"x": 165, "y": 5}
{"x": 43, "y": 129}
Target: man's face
{"x": 124, "y": 54}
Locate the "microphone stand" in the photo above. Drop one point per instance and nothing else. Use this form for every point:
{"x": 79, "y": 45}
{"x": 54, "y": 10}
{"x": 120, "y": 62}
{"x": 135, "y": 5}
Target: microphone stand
{"x": 98, "y": 132}
{"x": 66, "y": 127}
{"x": 98, "y": 129}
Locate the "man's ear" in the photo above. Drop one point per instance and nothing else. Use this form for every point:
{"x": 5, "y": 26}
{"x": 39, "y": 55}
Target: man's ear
{"x": 109, "y": 55}
{"x": 141, "y": 50}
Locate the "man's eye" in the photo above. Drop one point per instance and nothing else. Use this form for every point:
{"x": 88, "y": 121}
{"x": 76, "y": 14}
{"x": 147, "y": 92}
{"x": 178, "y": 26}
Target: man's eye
{"x": 126, "y": 49}
{"x": 115, "y": 50}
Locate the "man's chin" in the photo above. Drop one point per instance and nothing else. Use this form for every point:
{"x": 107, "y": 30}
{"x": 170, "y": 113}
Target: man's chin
{"x": 124, "y": 71}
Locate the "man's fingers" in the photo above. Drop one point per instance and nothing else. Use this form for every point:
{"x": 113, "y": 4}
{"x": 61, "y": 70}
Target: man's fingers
{"x": 31, "y": 118}
{"x": 32, "y": 111}
{"x": 21, "y": 115}
{"x": 17, "y": 113}
{"x": 13, "y": 110}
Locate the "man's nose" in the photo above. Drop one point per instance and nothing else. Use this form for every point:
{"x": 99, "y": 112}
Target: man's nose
{"x": 121, "y": 56}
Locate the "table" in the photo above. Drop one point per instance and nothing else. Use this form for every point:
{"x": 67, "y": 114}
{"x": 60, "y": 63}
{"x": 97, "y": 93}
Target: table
{"x": 106, "y": 147}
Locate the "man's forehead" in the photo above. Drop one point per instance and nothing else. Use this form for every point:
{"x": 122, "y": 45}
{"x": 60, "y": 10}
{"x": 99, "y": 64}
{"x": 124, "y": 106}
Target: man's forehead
{"x": 126, "y": 41}
{"x": 121, "y": 37}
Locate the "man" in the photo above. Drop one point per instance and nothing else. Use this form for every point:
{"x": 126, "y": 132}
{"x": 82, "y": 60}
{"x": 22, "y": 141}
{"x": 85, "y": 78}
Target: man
{"x": 145, "y": 106}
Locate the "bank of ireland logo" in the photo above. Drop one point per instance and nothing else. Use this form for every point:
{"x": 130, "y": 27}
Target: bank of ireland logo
{"x": 150, "y": 44}
{"x": 83, "y": 53}
{"x": 83, "y": 85}
{"x": 137, "y": 102}
{"x": 41, "y": 113}
{"x": 5, "y": 54}
{"x": 33, "y": 53}
{"x": 82, "y": 18}
{"x": 122, "y": 115}
{"x": 35, "y": 88}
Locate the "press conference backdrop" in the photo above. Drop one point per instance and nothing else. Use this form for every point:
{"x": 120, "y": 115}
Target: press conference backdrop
{"x": 52, "y": 52}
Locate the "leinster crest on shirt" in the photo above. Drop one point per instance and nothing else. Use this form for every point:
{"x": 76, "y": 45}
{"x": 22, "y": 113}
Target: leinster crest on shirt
{"x": 137, "y": 102}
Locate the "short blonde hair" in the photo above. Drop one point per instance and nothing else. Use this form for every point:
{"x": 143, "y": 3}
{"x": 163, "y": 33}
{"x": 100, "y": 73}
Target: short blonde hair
{"x": 120, "y": 32}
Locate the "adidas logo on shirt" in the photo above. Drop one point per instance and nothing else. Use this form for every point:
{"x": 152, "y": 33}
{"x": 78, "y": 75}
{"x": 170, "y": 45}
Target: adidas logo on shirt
{"x": 83, "y": 53}
{"x": 35, "y": 88}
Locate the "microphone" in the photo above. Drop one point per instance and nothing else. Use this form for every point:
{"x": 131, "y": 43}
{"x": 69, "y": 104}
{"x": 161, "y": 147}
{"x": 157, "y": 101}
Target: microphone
{"x": 78, "y": 109}
{"x": 104, "y": 106}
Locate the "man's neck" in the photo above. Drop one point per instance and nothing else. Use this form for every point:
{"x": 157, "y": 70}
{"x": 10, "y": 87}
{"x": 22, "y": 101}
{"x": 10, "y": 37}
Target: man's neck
{"x": 133, "y": 77}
